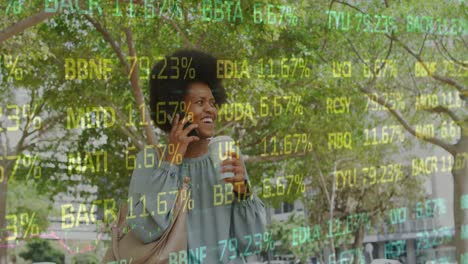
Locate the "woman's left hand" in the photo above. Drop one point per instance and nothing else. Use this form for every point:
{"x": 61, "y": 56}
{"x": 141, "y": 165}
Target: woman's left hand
{"x": 236, "y": 166}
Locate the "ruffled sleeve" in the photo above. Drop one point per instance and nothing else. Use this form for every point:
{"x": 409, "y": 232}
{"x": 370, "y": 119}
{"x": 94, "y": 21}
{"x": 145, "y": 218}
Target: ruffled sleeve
{"x": 152, "y": 195}
{"x": 248, "y": 221}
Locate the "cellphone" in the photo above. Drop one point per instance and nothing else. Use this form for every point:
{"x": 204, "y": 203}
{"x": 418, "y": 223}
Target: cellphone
{"x": 193, "y": 132}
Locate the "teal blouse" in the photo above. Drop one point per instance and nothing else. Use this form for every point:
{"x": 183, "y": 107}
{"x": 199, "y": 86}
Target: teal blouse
{"x": 221, "y": 228}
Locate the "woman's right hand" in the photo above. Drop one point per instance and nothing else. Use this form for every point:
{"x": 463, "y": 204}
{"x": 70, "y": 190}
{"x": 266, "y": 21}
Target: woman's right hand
{"x": 179, "y": 139}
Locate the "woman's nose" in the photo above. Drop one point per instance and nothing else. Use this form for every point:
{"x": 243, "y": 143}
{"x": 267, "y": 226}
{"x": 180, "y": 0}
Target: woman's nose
{"x": 210, "y": 109}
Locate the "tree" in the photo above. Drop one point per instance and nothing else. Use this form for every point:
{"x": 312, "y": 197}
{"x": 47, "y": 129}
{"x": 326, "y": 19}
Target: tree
{"x": 39, "y": 250}
{"x": 87, "y": 258}
{"x": 423, "y": 52}
{"x": 133, "y": 44}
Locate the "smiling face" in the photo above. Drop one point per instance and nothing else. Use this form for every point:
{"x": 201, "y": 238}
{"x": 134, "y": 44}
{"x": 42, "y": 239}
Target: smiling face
{"x": 202, "y": 105}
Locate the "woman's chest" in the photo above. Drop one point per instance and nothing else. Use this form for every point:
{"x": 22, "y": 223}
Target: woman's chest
{"x": 206, "y": 189}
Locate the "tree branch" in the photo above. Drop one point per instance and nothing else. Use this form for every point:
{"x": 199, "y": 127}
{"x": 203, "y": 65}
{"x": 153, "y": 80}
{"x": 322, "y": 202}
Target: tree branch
{"x": 229, "y": 124}
{"x": 442, "y": 109}
{"x": 46, "y": 125}
{"x": 422, "y": 45}
{"x": 173, "y": 23}
{"x": 322, "y": 179}
{"x": 128, "y": 131}
{"x": 448, "y": 54}
{"x": 463, "y": 92}
{"x": 349, "y": 5}
{"x": 448, "y": 147}
{"x": 111, "y": 41}
{"x": 135, "y": 140}
{"x": 461, "y": 89}
{"x": 254, "y": 159}
{"x": 364, "y": 62}
{"x": 133, "y": 72}
{"x": 179, "y": 30}
{"x": 151, "y": 137}
{"x": 24, "y": 24}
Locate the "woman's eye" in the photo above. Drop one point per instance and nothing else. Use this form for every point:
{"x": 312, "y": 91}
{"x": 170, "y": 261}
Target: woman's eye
{"x": 200, "y": 102}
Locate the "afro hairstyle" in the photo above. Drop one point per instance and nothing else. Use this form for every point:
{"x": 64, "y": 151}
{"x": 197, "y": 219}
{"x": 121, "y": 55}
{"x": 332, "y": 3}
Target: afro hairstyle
{"x": 168, "y": 82}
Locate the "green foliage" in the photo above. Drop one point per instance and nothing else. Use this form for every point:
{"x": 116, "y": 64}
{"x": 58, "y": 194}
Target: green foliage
{"x": 23, "y": 198}
{"x": 40, "y": 250}
{"x": 87, "y": 258}
{"x": 283, "y": 233}
{"x": 45, "y": 47}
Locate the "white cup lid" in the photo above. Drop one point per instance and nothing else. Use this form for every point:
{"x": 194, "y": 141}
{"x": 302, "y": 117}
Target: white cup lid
{"x": 220, "y": 139}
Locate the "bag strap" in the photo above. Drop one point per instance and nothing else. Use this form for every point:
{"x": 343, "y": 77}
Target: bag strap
{"x": 117, "y": 229}
{"x": 178, "y": 210}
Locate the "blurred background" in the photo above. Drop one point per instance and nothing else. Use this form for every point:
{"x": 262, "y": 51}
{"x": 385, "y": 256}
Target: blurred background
{"x": 352, "y": 116}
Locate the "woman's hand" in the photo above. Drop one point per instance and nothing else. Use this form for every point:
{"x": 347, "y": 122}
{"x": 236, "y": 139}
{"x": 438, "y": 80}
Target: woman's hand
{"x": 178, "y": 139}
{"x": 236, "y": 166}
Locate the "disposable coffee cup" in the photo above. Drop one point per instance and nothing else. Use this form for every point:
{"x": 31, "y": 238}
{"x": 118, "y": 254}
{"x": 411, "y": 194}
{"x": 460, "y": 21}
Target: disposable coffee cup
{"x": 219, "y": 148}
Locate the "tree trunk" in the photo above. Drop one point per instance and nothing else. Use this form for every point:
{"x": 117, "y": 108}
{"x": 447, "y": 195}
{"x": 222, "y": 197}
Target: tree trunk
{"x": 460, "y": 200}
{"x": 357, "y": 245}
{"x": 8, "y": 169}
{"x": 3, "y": 234}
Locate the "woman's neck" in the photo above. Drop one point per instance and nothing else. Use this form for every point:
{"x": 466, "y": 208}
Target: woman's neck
{"x": 197, "y": 149}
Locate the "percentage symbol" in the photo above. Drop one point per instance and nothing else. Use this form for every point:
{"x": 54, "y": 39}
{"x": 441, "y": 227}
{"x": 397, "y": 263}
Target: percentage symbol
{"x": 294, "y": 20}
{"x": 307, "y": 146}
{"x": 401, "y": 134}
{"x": 27, "y": 114}
{"x": 10, "y": 3}
{"x": 27, "y": 162}
{"x": 36, "y": 119}
{"x": 305, "y": 70}
{"x": 182, "y": 106}
{"x": 186, "y": 64}
{"x": 188, "y": 203}
{"x": 10, "y": 64}
{"x": 304, "y": 141}
{"x": 288, "y": 15}
{"x": 399, "y": 104}
{"x": 267, "y": 238}
{"x": 15, "y": 167}
{"x": 177, "y": 157}
{"x": 186, "y": 109}
{"x": 298, "y": 109}
{"x": 17, "y": 6}
{"x": 184, "y": 200}
{"x": 300, "y": 185}
{"x": 399, "y": 172}
{"x": 28, "y": 222}
{"x": 285, "y": 11}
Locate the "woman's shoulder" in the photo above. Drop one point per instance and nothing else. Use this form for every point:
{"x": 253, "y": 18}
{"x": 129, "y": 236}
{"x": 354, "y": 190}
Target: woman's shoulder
{"x": 143, "y": 163}
{"x": 151, "y": 151}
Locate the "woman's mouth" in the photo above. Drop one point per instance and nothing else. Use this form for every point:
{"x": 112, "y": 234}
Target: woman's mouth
{"x": 207, "y": 120}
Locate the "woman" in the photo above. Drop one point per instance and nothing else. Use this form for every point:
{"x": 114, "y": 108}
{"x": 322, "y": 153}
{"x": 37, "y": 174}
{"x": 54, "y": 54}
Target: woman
{"x": 226, "y": 223}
